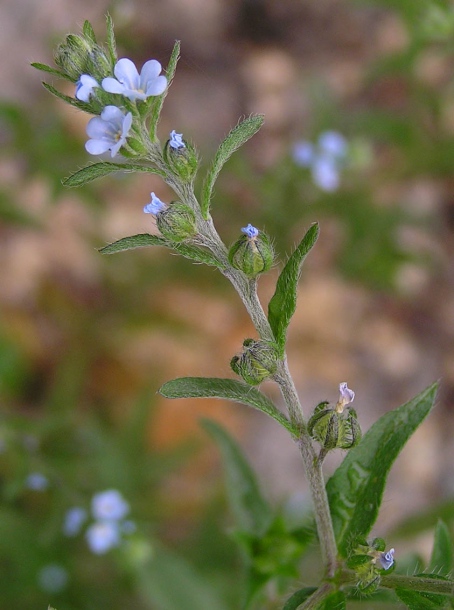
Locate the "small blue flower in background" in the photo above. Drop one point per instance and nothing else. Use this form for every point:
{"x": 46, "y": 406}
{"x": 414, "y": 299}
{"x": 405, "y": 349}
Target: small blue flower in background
{"x": 155, "y": 206}
{"x": 386, "y": 559}
{"x": 102, "y": 536}
{"x": 53, "y": 578}
{"x": 325, "y": 159}
{"x": 109, "y": 506}
{"x": 37, "y": 482}
{"x": 108, "y": 131}
{"x": 135, "y": 86}
{"x": 85, "y": 86}
{"x": 74, "y": 519}
{"x": 250, "y": 231}
{"x": 176, "y": 140}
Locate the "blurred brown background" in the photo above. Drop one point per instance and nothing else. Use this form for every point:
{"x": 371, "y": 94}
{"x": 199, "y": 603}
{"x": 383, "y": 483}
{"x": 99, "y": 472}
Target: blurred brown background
{"x": 238, "y": 57}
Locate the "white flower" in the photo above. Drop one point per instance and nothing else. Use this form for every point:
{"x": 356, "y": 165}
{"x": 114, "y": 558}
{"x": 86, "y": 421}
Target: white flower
{"x": 155, "y": 206}
{"x": 135, "y": 86}
{"x": 74, "y": 520}
{"x": 108, "y": 131}
{"x": 109, "y": 506}
{"x": 85, "y": 86}
{"x": 102, "y": 536}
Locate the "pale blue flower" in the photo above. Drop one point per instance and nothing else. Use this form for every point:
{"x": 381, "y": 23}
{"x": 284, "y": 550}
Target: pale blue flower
{"x": 102, "y": 536}
{"x": 109, "y": 506}
{"x": 386, "y": 559}
{"x": 346, "y": 396}
{"x": 250, "y": 231}
{"x": 176, "y": 140}
{"x": 325, "y": 173}
{"x": 155, "y": 206}
{"x": 333, "y": 143}
{"x": 303, "y": 153}
{"x": 74, "y": 519}
{"x": 135, "y": 86}
{"x": 85, "y": 86}
{"x": 37, "y": 482}
{"x": 53, "y": 578}
{"x": 108, "y": 131}
{"x": 325, "y": 159}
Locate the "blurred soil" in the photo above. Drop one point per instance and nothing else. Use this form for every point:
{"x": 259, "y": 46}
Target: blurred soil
{"x": 238, "y": 57}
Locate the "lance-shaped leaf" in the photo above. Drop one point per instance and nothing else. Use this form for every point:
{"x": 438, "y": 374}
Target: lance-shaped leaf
{"x": 252, "y": 512}
{"x": 300, "y": 596}
{"x": 424, "y": 601}
{"x": 236, "y": 138}
{"x": 111, "y": 44}
{"x": 66, "y": 98}
{"x": 156, "y": 103}
{"x": 355, "y": 490}
{"x": 228, "y": 389}
{"x": 441, "y": 560}
{"x": 283, "y": 303}
{"x": 143, "y": 240}
{"x": 88, "y": 31}
{"x": 49, "y": 70}
{"x": 98, "y": 170}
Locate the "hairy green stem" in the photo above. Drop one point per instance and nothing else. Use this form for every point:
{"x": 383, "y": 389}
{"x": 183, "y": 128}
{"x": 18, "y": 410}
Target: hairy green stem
{"x": 317, "y": 597}
{"x": 418, "y": 583}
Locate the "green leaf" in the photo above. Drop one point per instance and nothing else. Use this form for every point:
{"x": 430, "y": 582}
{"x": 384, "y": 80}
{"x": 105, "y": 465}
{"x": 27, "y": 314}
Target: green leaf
{"x": 111, "y": 44}
{"x": 355, "y": 490}
{"x": 50, "y": 70}
{"x": 228, "y": 389}
{"x": 159, "y": 101}
{"x": 236, "y": 138}
{"x": 88, "y": 31}
{"x": 142, "y": 240}
{"x": 421, "y": 601}
{"x": 98, "y": 170}
{"x": 441, "y": 561}
{"x": 252, "y": 513}
{"x": 298, "y": 598}
{"x": 199, "y": 255}
{"x": 336, "y": 601}
{"x": 66, "y": 98}
{"x": 283, "y": 303}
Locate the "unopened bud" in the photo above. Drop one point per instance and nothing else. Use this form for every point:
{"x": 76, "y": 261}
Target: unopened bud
{"x": 257, "y": 362}
{"x": 79, "y": 55}
{"x": 252, "y": 253}
{"x": 324, "y": 426}
{"x": 177, "y": 222}
{"x": 180, "y": 157}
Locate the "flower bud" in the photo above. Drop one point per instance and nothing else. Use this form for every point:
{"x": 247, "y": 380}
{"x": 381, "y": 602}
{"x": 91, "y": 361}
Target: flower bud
{"x": 79, "y": 55}
{"x": 180, "y": 157}
{"x": 252, "y": 253}
{"x": 177, "y": 222}
{"x": 324, "y": 426}
{"x": 350, "y": 431}
{"x": 257, "y": 362}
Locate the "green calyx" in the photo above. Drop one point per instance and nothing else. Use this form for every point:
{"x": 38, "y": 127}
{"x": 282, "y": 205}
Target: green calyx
{"x": 334, "y": 430}
{"x": 252, "y": 255}
{"x": 177, "y": 222}
{"x": 182, "y": 162}
{"x": 257, "y": 362}
{"x": 80, "y": 55}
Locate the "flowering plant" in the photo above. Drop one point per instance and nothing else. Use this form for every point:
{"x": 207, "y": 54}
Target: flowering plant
{"x": 127, "y": 107}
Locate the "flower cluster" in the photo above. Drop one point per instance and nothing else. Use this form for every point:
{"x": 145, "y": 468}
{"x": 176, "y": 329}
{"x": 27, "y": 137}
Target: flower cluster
{"x": 108, "y": 509}
{"x": 370, "y": 560}
{"x": 325, "y": 159}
